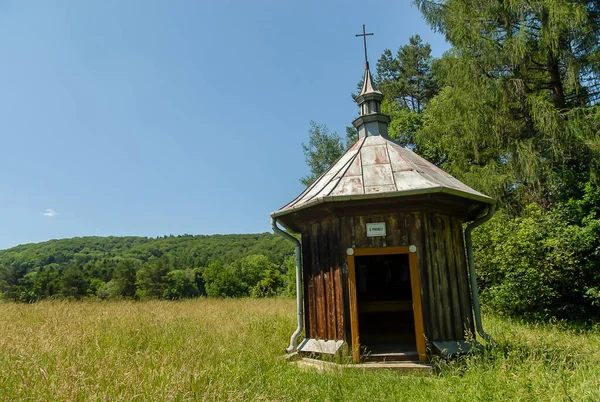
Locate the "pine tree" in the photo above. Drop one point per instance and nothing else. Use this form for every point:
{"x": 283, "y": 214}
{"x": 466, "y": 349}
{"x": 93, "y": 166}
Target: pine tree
{"x": 408, "y": 83}
{"x": 518, "y": 114}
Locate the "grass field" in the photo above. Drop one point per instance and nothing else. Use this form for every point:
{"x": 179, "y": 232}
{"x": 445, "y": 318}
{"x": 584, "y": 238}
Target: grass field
{"x": 231, "y": 350}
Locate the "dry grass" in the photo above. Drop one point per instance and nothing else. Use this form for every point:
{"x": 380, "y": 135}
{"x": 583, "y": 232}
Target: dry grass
{"x": 231, "y": 350}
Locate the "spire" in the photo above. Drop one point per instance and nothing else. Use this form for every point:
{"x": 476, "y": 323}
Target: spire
{"x": 367, "y": 86}
{"x": 371, "y": 121}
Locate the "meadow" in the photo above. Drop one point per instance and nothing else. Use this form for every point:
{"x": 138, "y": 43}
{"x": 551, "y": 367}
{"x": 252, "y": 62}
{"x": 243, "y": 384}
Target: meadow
{"x": 231, "y": 349}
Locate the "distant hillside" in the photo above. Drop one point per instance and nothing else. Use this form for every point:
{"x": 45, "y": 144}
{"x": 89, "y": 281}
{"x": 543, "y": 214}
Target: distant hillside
{"x": 140, "y": 266}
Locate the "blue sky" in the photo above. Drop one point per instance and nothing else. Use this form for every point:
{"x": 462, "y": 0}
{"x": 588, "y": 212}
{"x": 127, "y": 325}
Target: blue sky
{"x": 169, "y": 117}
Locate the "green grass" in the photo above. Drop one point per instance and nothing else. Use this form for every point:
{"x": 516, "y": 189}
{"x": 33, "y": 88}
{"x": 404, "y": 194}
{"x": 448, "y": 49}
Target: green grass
{"x": 231, "y": 350}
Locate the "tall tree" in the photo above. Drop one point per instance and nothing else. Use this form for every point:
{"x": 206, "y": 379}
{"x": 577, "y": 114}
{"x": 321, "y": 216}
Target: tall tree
{"x": 180, "y": 284}
{"x": 150, "y": 279}
{"x": 9, "y": 281}
{"x": 407, "y": 79}
{"x": 323, "y": 148}
{"x": 73, "y": 283}
{"x": 518, "y": 114}
{"x": 408, "y": 83}
{"x": 125, "y": 276}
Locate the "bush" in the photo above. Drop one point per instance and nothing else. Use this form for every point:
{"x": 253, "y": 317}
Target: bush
{"x": 542, "y": 264}
{"x": 180, "y": 284}
{"x": 110, "y": 290}
{"x": 269, "y": 285}
{"x": 222, "y": 281}
{"x": 150, "y": 279}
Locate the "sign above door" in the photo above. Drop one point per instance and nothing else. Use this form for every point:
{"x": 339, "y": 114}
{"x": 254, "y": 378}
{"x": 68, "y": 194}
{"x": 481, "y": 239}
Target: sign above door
{"x": 376, "y": 229}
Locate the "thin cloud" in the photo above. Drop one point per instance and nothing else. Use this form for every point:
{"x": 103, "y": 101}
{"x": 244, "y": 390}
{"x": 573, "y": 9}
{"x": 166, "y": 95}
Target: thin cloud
{"x": 49, "y": 212}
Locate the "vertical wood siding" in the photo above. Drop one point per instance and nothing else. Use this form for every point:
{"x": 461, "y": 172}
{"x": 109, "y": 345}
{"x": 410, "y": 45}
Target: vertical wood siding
{"x": 323, "y": 280}
{"x": 445, "y": 292}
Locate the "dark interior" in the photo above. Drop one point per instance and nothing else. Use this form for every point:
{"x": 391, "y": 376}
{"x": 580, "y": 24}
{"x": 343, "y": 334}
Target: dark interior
{"x": 384, "y": 298}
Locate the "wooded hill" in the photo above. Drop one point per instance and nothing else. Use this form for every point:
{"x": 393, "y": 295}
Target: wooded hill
{"x": 169, "y": 267}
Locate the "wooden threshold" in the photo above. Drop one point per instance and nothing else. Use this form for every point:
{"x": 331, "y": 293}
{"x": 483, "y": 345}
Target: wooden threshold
{"x": 391, "y": 357}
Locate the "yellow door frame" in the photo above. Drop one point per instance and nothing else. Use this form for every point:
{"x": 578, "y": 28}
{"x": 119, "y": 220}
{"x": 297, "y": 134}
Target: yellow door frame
{"x": 416, "y": 295}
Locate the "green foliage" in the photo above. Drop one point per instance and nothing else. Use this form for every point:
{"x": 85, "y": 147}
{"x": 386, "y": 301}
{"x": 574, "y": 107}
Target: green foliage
{"x": 517, "y": 117}
{"x": 124, "y": 276}
{"x": 73, "y": 283}
{"x": 199, "y": 281}
{"x": 151, "y": 279}
{"x": 115, "y": 268}
{"x": 322, "y": 150}
{"x": 407, "y": 79}
{"x": 543, "y": 264}
{"x": 408, "y": 85}
{"x": 253, "y": 275}
{"x": 95, "y": 285}
{"x": 110, "y": 290}
{"x": 250, "y": 269}
{"x": 269, "y": 285}
{"x": 47, "y": 281}
{"x": 289, "y": 278}
{"x": 513, "y": 110}
{"x": 222, "y": 281}
{"x": 27, "y": 289}
{"x": 180, "y": 285}
{"x": 9, "y": 281}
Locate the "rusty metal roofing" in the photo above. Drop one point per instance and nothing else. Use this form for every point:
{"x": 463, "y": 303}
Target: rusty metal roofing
{"x": 376, "y": 167}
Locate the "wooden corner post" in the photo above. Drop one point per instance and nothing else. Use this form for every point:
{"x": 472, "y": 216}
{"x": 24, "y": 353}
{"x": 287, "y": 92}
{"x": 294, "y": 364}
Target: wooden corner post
{"x": 415, "y": 283}
{"x": 353, "y": 309}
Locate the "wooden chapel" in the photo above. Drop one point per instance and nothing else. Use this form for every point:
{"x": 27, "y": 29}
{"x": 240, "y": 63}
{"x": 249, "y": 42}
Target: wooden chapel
{"x": 383, "y": 259}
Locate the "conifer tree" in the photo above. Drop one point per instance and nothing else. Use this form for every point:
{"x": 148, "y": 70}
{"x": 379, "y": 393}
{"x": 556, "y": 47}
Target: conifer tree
{"x": 518, "y": 115}
{"x": 408, "y": 83}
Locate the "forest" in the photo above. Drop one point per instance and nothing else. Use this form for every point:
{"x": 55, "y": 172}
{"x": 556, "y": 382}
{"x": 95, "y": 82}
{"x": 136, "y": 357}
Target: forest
{"x": 168, "y": 267}
{"x": 511, "y": 109}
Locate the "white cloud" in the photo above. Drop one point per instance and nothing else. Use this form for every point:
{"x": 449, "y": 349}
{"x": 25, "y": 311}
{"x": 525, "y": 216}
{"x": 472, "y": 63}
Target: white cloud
{"x": 49, "y": 212}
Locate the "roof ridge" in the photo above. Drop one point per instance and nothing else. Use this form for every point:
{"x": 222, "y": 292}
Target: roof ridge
{"x": 408, "y": 162}
{"x": 314, "y": 183}
{"x": 357, "y": 154}
{"x": 387, "y": 149}
{"x": 331, "y": 168}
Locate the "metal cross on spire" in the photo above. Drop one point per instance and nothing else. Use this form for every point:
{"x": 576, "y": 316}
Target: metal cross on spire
{"x": 364, "y": 35}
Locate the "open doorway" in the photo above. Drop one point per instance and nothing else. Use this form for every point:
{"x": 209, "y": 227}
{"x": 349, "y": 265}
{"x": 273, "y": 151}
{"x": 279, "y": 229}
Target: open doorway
{"x": 384, "y": 298}
{"x": 385, "y": 304}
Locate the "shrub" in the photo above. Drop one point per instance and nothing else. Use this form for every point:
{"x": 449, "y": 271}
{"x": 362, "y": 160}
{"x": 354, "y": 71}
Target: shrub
{"x": 542, "y": 264}
{"x": 269, "y": 285}
{"x": 222, "y": 281}
{"x": 180, "y": 284}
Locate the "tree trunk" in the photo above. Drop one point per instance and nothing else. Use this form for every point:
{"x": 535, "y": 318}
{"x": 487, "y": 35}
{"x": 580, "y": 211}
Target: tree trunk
{"x": 555, "y": 80}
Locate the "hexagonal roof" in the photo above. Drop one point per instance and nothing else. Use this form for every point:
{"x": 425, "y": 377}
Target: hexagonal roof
{"x": 376, "y": 167}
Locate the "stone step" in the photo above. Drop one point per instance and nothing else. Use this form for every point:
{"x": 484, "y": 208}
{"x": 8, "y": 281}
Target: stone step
{"x": 387, "y": 365}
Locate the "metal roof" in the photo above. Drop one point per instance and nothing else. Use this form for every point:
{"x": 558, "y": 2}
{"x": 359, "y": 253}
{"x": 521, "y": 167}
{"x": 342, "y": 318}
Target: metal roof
{"x": 376, "y": 167}
{"x": 367, "y": 87}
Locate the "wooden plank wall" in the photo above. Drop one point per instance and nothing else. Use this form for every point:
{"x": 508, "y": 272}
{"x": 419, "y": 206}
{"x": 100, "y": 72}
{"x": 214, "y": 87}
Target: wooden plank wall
{"x": 448, "y": 291}
{"x": 445, "y": 291}
{"x": 324, "y": 288}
